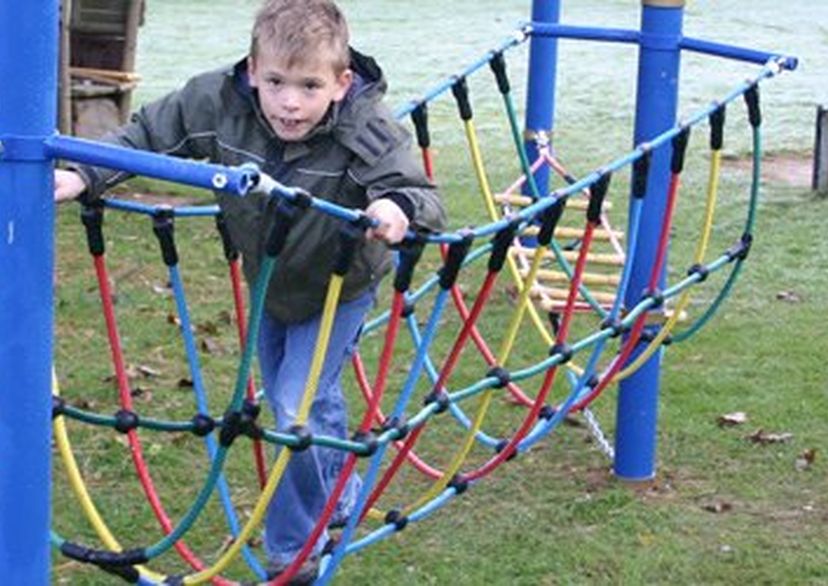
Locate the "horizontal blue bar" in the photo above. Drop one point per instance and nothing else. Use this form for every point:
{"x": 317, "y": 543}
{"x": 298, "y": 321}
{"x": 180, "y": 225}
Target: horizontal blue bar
{"x": 216, "y": 177}
{"x": 737, "y": 53}
{"x": 154, "y": 209}
{"x": 587, "y": 33}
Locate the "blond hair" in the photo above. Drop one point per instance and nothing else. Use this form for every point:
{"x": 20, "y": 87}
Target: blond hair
{"x": 299, "y": 30}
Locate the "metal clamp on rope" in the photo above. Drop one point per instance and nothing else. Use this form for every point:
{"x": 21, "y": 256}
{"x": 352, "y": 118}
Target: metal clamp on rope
{"x": 231, "y": 253}
{"x": 459, "y": 483}
{"x": 163, "y": 224}
{"x": 419, "y": 116}
{"x": 502, "y": 445}
{"x": 549, "y": 220}
{"x": 679, "y": 148}
{"x": 717, "y": 122}
{"x": 597, "y": 193}
{"x": 369, "y": 443}
{"x": 752, "y": 101}
{"x": 441, "y": 398}
{"x": 641, "y": 172}
{"x": 741, "y": 249}
{"x": 460, "y": 89}
{"x": 456, "y": 255}
{"x": 397, "y": 519}
{"x": 498, "y": 65}
{"x": 304, "y": 437}
{"x": 500, "y": 245}
{"x": 126, "y": 421}
{"x": 92, "y": 218}
{"x": 409, "y": 255}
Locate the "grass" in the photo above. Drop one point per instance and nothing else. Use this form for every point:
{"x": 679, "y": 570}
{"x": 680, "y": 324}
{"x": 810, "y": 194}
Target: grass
{"x": 722, "y": 510}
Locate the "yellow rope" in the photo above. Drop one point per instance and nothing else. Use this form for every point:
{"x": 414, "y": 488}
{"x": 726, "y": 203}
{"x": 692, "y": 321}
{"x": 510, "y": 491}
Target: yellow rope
{"x": 701, "y": 250}
{"x": 311, "y": 385}
{"x": 82, "y": 494}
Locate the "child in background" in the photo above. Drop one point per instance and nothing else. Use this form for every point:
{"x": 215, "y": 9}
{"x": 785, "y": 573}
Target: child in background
{"x": 307, "y": 109}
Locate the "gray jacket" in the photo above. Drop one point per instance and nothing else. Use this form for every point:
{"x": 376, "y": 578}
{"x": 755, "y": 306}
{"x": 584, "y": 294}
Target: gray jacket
{"x": 358, "y": 154}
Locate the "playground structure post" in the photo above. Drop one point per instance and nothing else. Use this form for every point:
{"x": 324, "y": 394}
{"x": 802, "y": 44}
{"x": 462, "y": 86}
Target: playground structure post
{"x": 28, "y": 114}
{"x": 820, "y": 175}
{"x": 656, "y": 107}
{"x": 540, "y": 93}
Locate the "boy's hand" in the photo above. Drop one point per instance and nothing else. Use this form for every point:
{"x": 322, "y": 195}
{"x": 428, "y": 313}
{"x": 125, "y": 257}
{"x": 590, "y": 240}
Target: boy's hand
{"x": 68, "y": 185}
{"x": 393, "y": 223}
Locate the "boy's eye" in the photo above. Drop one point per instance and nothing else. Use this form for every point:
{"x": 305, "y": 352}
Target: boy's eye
{"x": 274, "y": 81}
{"x": 312, "y": 85}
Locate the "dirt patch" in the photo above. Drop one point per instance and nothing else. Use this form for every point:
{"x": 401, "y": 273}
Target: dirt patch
{"x": 793, "y": 169}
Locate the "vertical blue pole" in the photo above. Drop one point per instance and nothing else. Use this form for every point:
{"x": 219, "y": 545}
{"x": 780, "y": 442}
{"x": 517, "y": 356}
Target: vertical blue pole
{"x": 540, "y": 93}
{"x": 656, "y": 105}
{"x": 28, "y": 112}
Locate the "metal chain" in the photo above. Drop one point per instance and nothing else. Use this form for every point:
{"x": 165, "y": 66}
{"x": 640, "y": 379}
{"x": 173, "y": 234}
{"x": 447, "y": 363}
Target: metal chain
{"x": 596, "y": 431}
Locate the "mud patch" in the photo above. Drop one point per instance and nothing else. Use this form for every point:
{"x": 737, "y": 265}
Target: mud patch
{"x": 791, "y": 169}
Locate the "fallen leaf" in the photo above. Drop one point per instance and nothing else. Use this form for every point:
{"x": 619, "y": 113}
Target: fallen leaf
{"x": 225, "y": 318}
{"x": 207, "y": 328}
{"x": 789, "y": 297}
{"x": 718, "y": 507}
{"x": 760, "y": 436}
{"x": 185, "y": 383}
{"x": 731, "y": 419}
{"x": 806, "y": 459}
{"x": 211, "y": 345}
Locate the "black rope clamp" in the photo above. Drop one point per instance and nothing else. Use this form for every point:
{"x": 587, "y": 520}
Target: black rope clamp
{"x": 741, "y": 249}
{"x": 397, "y": 519}
{"x": 249, "y": 427}
{"x": 419, "y": 116}
{"x": 203, "y": 425}
{"x": 163, "y": 224}
{"x": 350, "y": 235}
{"x": 679, "y": 149}
{"x": 500, "y": 245}
{"x": 597, "y": 193}
{"x": 92, "y": 218}
{"x": 126, "y": 421}
{"x": 176, "y": 580}
{"x": 547, "y": 412}
{"x": 285, "y": 214}
{"x": 502, "y": 375}
{"x": 549, "y": 220}
{"x": 460, "y": 89}
{"x": 397, "y": 423}
{"x": 103, "y": 558}
{"x": 752, "y": 101}
{"x": 717, "y": 122}
{"x": 699, "y": 269}
{"x": 564, "y": 349}
{"x": 656, "y": 296}
{"x": 616, "y": 325}
{"x": 502, "y": 445}
{"x": 439, "y": 397}
{"x": 459, "y": 483}
{"x": 58, "y": 406}
{"x": 498, "y": 65}
{"x": 456, "y": 255}
{"x": 231, "y": 428}
{"x": 369, "y": 443}
{"x": 304, "y": 437}
{"x": 409, "y": 254}
{"x": 641, "y": 173}
{"x": 128, "y": 574}
{"x": 409, "y": 308}
{"x": 231, "y": 253}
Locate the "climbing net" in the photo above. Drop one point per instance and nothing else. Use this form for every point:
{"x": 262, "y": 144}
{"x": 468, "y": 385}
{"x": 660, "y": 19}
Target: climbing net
{"x": 569, "y": 270}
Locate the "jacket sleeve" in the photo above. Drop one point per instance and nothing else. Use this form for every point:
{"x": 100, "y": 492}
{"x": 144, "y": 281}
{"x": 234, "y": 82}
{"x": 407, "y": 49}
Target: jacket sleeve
{"x": 172, "y": 125}
{"x": 386, "y": 167}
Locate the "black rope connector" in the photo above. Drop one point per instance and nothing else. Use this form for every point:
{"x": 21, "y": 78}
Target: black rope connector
{"x": 741, "y": 249}
{"x": 285, "y": 214}
{"x": 657, "y": 297}
{"x": 641, "y": 173}
{"x": 249, "y": 427}
{"x": 439, "y": 397}
{"x": 101, "y": 558}
{"x": 397, "y": 423}
{"x": 564, "y": 349}
{"x": 368, "y": 441}
{"x": 58, "y": 406}
{"x": 752, "y": 101}
{"x": 456, "y": 255}
{"x": 126, "y": 421}
{"x": 397, "y": 519}
{"x": 500, "y": 245}
{"x": 502, "y": 445}
{"x": 163, "y": 224}
{"x": 408, "y": 309}
{"x": 597, "y": 193}
{"x": 409, "y": 254}
{"x": 616, "y": 325}
{"x": 92, "y": 218}
{"x": 419, "y": 116}
{"x": 460, "y": 89}
{"x": 231, "y": 428}
{"x": 231, "y": 253}
{"x": 717, "y": 122}
{"x": 498, "y": 65}
{"x": 251, "y": 408}
{"x": 547, "y": 412}
{"x": 177, "y": 580}
{"x": 593, "y": 381}
{"x": 350, "y": 235}
{"x": 303, "y": 435}
{"x": 679, "y": 149}
{"x": 502, "y": 375}
{"x": 129, "y": 574}
{"x": 203, "y": 425}
{"x": 549, "y": 220}
{"x": 459, "y": 483}
{"x": 699, "y": 269}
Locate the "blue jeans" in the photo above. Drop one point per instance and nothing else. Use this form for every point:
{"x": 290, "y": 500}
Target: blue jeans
{"x": 285, "y": 355}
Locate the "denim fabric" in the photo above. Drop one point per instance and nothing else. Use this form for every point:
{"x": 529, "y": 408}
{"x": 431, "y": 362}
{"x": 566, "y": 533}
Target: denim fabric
{"x": 285, "y": 355}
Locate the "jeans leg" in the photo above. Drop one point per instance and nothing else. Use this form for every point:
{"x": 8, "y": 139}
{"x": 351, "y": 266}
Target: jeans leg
{"x": 286, "y": 352}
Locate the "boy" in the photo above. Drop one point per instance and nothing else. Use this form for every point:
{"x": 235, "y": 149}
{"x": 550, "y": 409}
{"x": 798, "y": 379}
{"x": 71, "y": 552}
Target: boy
{"x": 307, "y": 109}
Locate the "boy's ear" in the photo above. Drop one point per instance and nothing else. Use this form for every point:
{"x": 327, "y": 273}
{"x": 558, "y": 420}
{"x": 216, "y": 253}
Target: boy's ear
{"x": 251, "y": 71}
{"x": 343, "y": 84}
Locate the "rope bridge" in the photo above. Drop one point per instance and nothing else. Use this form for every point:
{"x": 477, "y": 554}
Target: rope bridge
{"x": 566, "y": 263}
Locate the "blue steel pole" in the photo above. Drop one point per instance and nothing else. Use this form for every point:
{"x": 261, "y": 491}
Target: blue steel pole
{"x": 28, "y": 107}
{"x": 540, "y": 92}
{"x": 656, "y": 106}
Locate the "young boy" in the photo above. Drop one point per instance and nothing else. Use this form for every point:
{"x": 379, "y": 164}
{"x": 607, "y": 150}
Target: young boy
{"x": 307, "y": 109}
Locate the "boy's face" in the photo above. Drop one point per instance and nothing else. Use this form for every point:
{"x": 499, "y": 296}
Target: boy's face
{"x": 295, "y": 98}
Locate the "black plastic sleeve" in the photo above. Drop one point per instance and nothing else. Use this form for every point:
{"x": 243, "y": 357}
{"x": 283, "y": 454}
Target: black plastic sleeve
{"x": 717, "y": 122}
{"x": 456, "y": 254}
{"x": 92, "y": 218}
{"x": 163, "y": 224}
{"x": 285, "y": 213}
{"x": 498, "y": 65}
{"x": 641, "y": 173}
{"x": 752, "y": 101}
{"x": 419, "y": 116}
{"x": 597, "y": 193}
{"x": 679, "y": 149}
{"x": 409, "y": 257}
{"x": 549, "y": 221}
{"x": 500, "y": 248}
{"x": 460, "y": 89}
{"x": 231, "y": 253}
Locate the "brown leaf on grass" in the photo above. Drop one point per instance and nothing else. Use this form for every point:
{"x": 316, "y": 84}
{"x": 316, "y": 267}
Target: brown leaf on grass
{"x": 760, "y": 436}
{"x": 789, "y": 297}
{"x": 225, "y": 317}
{"x": 211, "y": 345}
{"x": 160, "y": 289}
{"x": 81, "y": 403}
{"x": 225, "y": 545}
{"x": 135, "y": 371}
{"x": 805, "y": 459}
{"x": 718, "y": 507}
{"x": 731, "y": 419}
{"x": 208, "y": 328}
{"x": 185, "y": 383}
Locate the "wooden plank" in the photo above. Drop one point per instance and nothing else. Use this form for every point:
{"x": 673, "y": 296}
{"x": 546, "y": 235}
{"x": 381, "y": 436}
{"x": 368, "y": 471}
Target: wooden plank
{"x": 820, "y": 177}
{"x": 598, "y": 258}
{"x": 576, "y": 202}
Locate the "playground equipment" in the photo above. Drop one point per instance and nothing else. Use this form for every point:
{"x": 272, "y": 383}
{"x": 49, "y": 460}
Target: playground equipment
{"x": 28, "y": 147}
